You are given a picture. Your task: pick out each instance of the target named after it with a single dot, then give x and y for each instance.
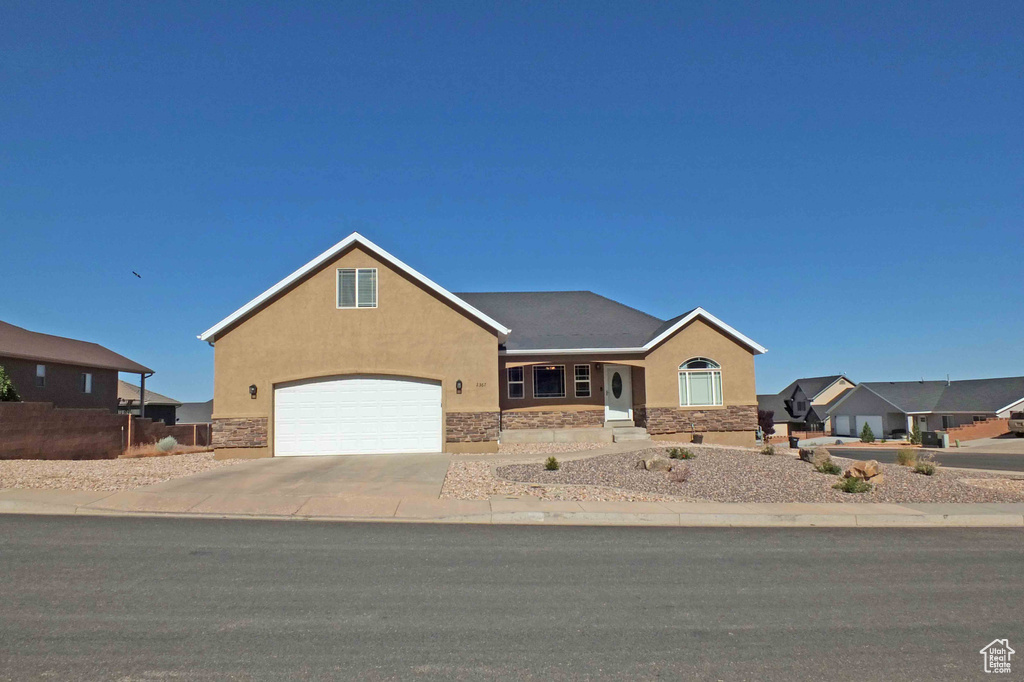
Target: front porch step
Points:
(625, 433)
(618, 423)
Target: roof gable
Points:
(329, 255)
(21, 343)
(127, 392)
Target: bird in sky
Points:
(136, 274)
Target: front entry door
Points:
(922, 423)
(618, 392)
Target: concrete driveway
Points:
(393, 476)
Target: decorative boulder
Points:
(658, 464)
(820, 456)
(679, 473)
(863, 470)
(806, 454)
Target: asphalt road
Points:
(949, 458)
(184, 599)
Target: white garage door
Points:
(874, 422)
(843, 426)
(357, 415)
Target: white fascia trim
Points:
(354, 238)
(1013, 404)
(697, 312)
(700, 312)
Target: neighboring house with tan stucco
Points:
(356, 352)
(803, 405)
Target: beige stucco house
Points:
(356, 352)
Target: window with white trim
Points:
(40, 375)
(86, 382)
(582, 376)
(549, 381)
(700, 383)
(516, 385)
(357, 287)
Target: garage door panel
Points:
(364, 414)
(874, 421)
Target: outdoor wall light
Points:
(252, 391)
(458, 386)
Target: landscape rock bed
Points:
(736, 475)
(104, 474)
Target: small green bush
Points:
(853, 485)
(906, 457)
(882, 440)
(552, 464)
(768, 450)
(926, 466)
(681, 453)
(166, 444)
(915, 435)
(866, 434)
(828, 467)
(7, 391)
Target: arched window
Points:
(700, 382)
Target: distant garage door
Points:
(357, 415)
(874, 422)
(843, 426)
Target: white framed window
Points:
(582, 374)
(516, 386)
(357, 287)
(40, 375)
(700, 383)
(86, 382)
(549, 381)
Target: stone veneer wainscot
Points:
(675, 420)
(471, 427)
(240, 432)
(551, 419)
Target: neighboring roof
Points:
(325, 257)
(582, 321)
(126, 392)
(773, 402)
(21, 343)
(195, 413)
(973, 395)
(811, 386)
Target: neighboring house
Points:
(196, 413)
(892, 408)
(356, 352)
(803, 405)
(62, 371)
(158, 407)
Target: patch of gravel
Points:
(547, 448)
(719, 475)
(104, 474)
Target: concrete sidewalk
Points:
(500, 510)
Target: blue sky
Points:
(844, 184)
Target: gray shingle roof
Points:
(772, 402)
(22, 343)
(811, 386)
(195, 413)
(973, 395)
(126, 392)
(567, 319)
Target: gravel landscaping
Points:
(547, 448)
(104, 474)
(717, 474)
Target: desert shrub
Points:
(681, 453)
(915, 435)
(882, 440)
(8, 393)
(852, 485)
(866, 434)
(679, 473)
(906, 457)
(768, 450)
(926, 466)
(551, 464)
(166, 444)
(827, 466)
